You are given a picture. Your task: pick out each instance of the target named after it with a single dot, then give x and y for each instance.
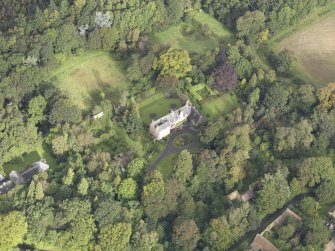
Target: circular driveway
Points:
(171, 148)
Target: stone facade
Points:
(163, 126)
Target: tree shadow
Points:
(104, 90)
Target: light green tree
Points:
(68, 178)
(274, 192)
(174, 62)
(13, 227)
(115, 237)
(83, 186)
(36, 108)
(135, 167)
(128, 189)
(39, 194)
(218, 235)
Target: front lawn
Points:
(214, 107)
(166, 165)
(157, 106)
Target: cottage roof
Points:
(41, 166)
(248, 195)
(260, 243)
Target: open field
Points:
(217, 106)
(314, 48)
(84, 77)
(157, 106)
(21, 163)
(189, 36)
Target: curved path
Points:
(171, 148)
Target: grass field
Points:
(157, 106)
(21, 163)
(82, 78)
(314, 48)
(166, 165)
(219, 105)
(194, 40)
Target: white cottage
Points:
(163, 126)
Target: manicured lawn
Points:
(20, 164)
(215, 107)
(189, 36)
(84, 77)
(157, 106)
(166, 165)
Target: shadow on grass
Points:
(23, 162)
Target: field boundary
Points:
(319, 14)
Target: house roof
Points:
(173, 117)
(41, 165)
(16, 177)
(260, 243)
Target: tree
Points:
(68, 178)
(13, 227)
(115, 237)
(309, 207)
(39, 194)
(68, 38)
(225, 77)
(284, 62)
(326, 97)
(143, 240)
(63, 111)
(175, 10)
(135, 167)
(77, 224)
(251, 25)
(174, 62)
(183, 169)
(36, 108)
(317, 233)
(109, 212)
(326, 191)
(128, 189)
(218, 235)
(277, 97)
(314, 170)
(153, 195)
(273, 194)
(168, 84)
(185, 234)
(83, 186)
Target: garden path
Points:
(171, 148)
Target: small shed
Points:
(261, 243)
(248, 195)
(234, 195)
(2, 178)
(98, 115)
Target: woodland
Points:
(264, 127)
